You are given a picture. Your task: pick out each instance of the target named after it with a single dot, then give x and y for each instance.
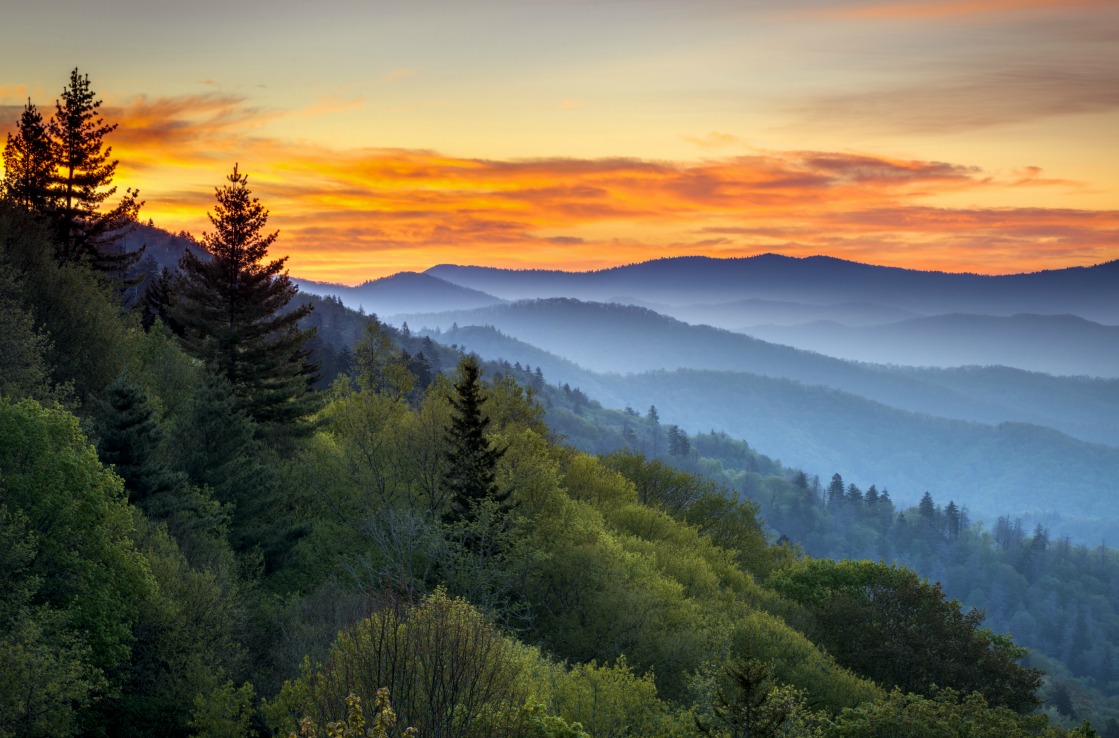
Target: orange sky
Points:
(960, 135)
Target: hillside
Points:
(403, 292)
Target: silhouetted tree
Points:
(28, 163)
(82, 182)
(232, 311)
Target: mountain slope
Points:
(404, 292)
(1008, 468)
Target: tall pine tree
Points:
(471, 475)
(28, 163)
(82, 182)
(232, 310)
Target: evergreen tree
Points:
(28, 163)
(157, 301)
(470, 478)
(82, 182)
(836, 494)
(131, 440)
(232, 311)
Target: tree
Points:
(28, 163)
(232, 310)
(451, 672)
(885, 623)
(82, 183)
(471, 458)
(836, 494)
(131, 439)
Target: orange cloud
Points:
(352, 215)
(947, 9)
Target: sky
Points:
(391, 135)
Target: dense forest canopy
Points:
(229, 510)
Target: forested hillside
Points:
(208, 531)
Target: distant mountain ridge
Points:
(403, 292)
(1054, 344)
(1086, 291)
(611, 338)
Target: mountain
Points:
(994, 468)
(404, 292)
(161, 248)
(1085, 291)
(612, 338)
(1055, 344)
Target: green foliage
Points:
(610, 701)
(131, 440)
(451, 672)
(46, 676)
(887, 624)
(89, 340)
(226, 712)
(381, 367)
(944, 714)
(80, 523)
(751, 705)
(23, 349)
(185, 641)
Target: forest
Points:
(228, 509)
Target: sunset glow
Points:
(914, 134)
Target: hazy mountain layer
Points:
(734, 315)
(615, 338)
(1055, 344)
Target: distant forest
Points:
(228, 509)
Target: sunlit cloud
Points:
(355, 214)
(945, 9)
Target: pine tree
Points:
(232, 312)
(470, 478)
(157, 301)
(28, 163)
(131, 439)
(82, 183)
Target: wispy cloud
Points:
(944, 9)
(974, 99)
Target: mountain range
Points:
(820, 280)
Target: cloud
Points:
(974, 99)
(398, 75)
(714, 140)
(943, 9)
(355, 214)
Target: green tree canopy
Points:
(886, 623)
